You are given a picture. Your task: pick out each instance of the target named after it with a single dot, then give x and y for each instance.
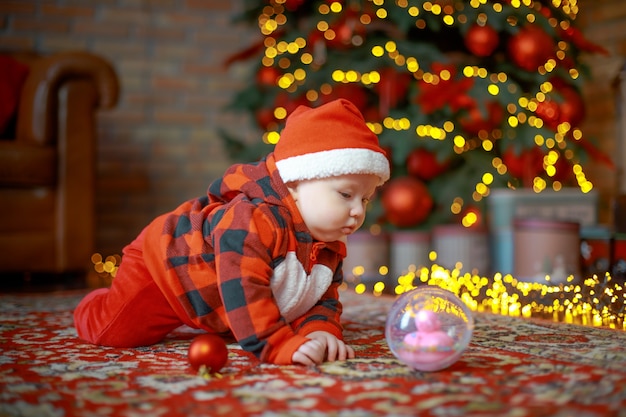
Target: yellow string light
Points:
(503, 294)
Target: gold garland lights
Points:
(593, 301)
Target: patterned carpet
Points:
(513, 367)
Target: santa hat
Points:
(327, 141)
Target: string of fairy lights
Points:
(593, 301)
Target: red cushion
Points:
(12, 76)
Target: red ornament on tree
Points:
(351, 91)
(208, 350)
(530, 48)
(571, 105)
(447, 92)
(548, 111)
(563, 169)
(348, 30)
(267, 76)
(293, 5)
(572, 109)
(524, 166)
(372, 113)
(391, 88)
(475, 120)
(471, 216)
(389, 155)
(406, 201)
(481, 40)
(265, 118)
(289, 102)
(423, 164)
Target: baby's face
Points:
(334, 207)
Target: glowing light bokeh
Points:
(593, 301)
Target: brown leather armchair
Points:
(47, 170)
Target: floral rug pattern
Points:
(513, 367)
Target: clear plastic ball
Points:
(428, 328)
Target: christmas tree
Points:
(465, 95)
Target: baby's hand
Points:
(310, 353)
(335, 349)
(322, 345)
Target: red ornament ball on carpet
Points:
(481, 40)
(208, 350)
(407, 201)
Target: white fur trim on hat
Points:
(334, 162)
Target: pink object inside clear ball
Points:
(428, 328)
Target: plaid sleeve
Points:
(248, 241)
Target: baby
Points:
(259, 257)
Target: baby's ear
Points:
(293, 189)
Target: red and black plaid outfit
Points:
(239, 261)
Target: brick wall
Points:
(160, 146)
(603, 22)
